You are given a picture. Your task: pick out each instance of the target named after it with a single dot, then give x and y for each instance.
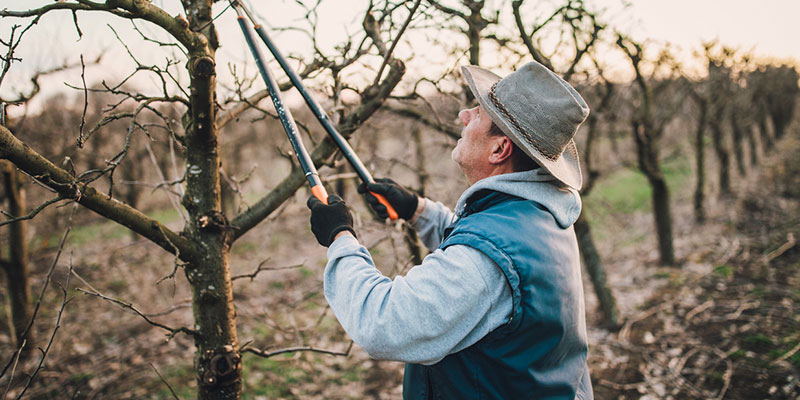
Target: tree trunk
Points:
(130, 172)
(648, 163)
(738, 146)
(722, 157)
(780, 124)
(766, 138)
(699, 147)
(17, 265)
(751, 139)
(597, 273)
(217, 357)
(663, 219)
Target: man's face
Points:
(473, 149)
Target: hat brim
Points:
(566, 168)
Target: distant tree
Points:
(15, 266)
(700, 96)
(591, 256)
(659, 100)
(777, 90)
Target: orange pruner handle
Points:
(392, 213)
(320, 193)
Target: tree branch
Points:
(66, 186)
(268, 354)
(535, 53)
(129, 306)
(46, 283)
(261, 267)
(447, 129)
(131, 9)
(372, 99)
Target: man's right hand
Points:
(402, 200)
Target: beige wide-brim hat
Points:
(538, 111)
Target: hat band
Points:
(525, 135)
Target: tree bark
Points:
(766, 139)
(738, 139)
(751, 139)
(717, 134)
(217, 358)
(663, 219)
(16, 267)
(597, 273)
(649, 165)
(699, 147)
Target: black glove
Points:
(328, 220)
(402, 200)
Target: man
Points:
(496, 310)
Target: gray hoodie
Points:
(451, 300)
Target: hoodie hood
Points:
(537, 185)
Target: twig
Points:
(45, 284)
(728, 372)
(172, 331)
(64, 302)
(85, 103)
(170, 195)
(625, 331)
(262, 268)
(33, 212)
(747, 305)
(171, 310)
(790, 242)
(14, 368)
(267, 354)
(697, 310)
(175, 396)
(621, 386)
(788, 354)
(394, 43)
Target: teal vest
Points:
(540, 352)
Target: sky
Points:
(768, 28)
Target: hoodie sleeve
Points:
(431, 223)
(446, 304)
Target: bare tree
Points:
(16, 266)
(577, 27)
(648, 124)
(201, 249)
(777, 90)
(589, 253)
(700, 98)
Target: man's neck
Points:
(492, 170)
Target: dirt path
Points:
(725, 325)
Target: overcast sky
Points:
(769, 28)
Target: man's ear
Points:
(502, 147)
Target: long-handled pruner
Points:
(284, 113)
(286, 117)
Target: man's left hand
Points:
(328, 220)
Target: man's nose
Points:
(463, 115)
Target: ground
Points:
(724, 325)
(721, 325)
